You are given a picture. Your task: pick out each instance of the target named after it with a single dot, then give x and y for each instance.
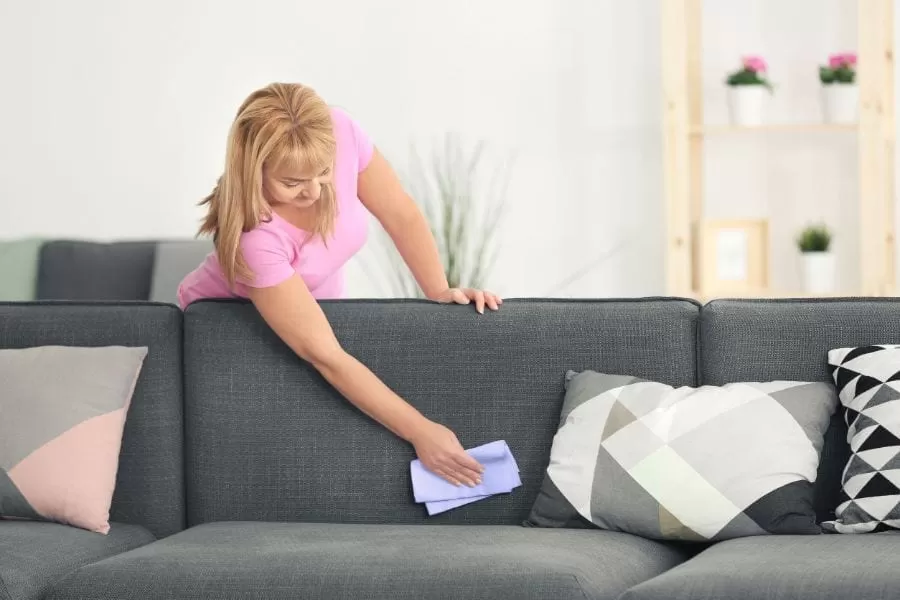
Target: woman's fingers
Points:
(478, 296)
(465, 468)
(468, 474)
(459, 470)
(492, 300)
(446, 476)
(460, 297)
(465, 460)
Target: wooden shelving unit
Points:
(685, 133)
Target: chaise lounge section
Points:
(149, 496)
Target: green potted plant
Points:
(748, 91)
(814, 242)
(840, 93)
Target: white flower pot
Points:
(747, 104)
(818, 272)
(840, 103)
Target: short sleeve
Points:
(365, 148)
(267, 257)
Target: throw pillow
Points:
(868, 383)
(64, 414)
(172, 263)
(689, 464)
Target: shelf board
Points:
(773, 128)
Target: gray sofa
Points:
(89, 270)
(244, 475)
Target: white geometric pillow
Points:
(694, 464)
(868, 383)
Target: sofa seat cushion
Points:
(823, 567)
(345, 561)
(36, 554)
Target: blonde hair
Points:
(280, 125)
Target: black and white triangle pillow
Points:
(868, 384)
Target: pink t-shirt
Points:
(273, 250)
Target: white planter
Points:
(840, 103)
(747, 104)
(818, 272)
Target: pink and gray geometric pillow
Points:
(63, 415)
(868, 383)
(680, 463)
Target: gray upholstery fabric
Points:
(173, 261)
(269, 439)
(743, 340)
(150, 481)
(84, 270)
(375, 562)
(824, 567)
(35, 555)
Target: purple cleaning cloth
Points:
(501, 476)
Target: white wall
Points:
(114, 114)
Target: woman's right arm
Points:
(296, 317)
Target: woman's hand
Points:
(442, 454)
(467, 295)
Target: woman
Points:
(286, 215)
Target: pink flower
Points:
(836, 61)
(755, 63)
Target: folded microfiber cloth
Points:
(501, 476)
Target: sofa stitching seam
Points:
(580, 586)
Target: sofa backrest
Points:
(150, 480)
(268, 439)
(87, 270)
(84, 270)
(759, 340)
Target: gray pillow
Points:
(172, 263)
(64, 411)
(690, 464)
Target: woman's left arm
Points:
(380, 190)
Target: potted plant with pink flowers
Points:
(840, 93)
(749, 89)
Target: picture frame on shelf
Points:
(732, 256)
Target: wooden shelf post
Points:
(876, 146)
(682, 112)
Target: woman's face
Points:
(300, 189)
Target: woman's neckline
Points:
(289, 225)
